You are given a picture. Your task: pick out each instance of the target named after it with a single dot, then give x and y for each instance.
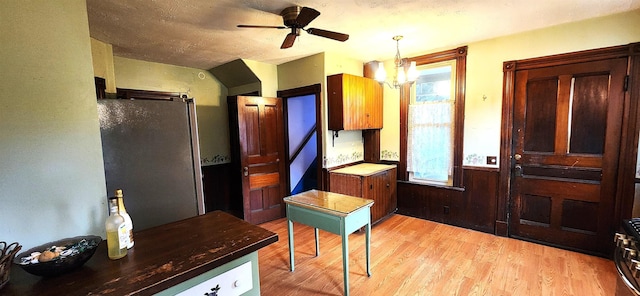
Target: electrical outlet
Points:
(492, 160)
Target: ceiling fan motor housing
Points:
(289, 16)
(296, 18)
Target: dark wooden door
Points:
(566, 136)
(261, 156)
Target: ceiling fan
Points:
(296, 18)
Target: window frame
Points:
(460, 56)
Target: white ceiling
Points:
(203, 34)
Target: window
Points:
(432, 114)
(431, 125)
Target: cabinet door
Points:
(373, 104)
(381, 188)
(354, 103)
(335, 107)
(391, 191)
(376, 189)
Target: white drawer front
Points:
(231, 283)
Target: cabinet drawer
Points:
(232, 283)
(238, 277)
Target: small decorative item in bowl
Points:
(58, 257)
(7, 251)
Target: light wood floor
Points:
(412, 256)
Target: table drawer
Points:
(314, 219)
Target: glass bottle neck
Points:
(113, 207)
(121, 205)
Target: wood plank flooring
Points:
(411, 256)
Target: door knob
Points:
(517, 156)
(246, 171)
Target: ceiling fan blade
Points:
(306, 16)
(328, 34)
(257, 26)
(288, 41)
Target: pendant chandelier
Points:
(405, 72)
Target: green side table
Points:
(336, 213)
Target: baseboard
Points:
(502, 228)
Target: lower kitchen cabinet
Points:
(371, 181)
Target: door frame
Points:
(315, 89)
(630, 127)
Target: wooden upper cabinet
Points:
(354, 102)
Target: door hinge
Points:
(626, 83)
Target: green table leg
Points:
(368, 238)
(317, 243)
(345, 261)
(290, 229)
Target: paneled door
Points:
(261, 157)
(567, 124)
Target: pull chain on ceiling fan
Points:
(297, 18)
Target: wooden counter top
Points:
(364, 169)
(162, 257)
(328, 202)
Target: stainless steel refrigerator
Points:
(150, 150)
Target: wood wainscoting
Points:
(217, 190)
(473, 206)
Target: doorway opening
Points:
(303, 138)
(302, 142)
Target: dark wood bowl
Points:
(61, 264)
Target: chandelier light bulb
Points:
(401, 77)
(381, 74)
(412, 73)
(402, 74)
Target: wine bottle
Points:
(116, 231)
(127, 219)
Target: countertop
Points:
(329, 202)
(162, 257)
(364, 169)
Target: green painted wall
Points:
(268, 75)
(102, 56)
(51, 171)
